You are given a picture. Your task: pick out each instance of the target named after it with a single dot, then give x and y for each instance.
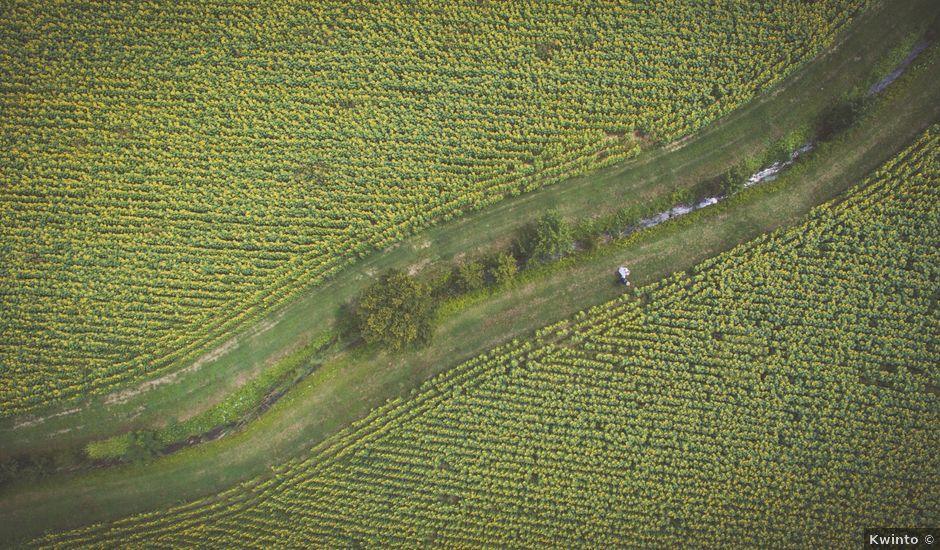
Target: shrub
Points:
(504, 268)
(111, 448)
(546, 239)
(470, 276)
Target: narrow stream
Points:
(768, 173)
(765, 174)
(886, 81)
(771, 171)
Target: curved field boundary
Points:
(354, 383)
(748, 131)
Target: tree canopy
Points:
(503, 268)
(395, 311)
(545, 239)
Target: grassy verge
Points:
(748, 133)
(353, 382)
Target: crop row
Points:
(783, 393)
(172, 173)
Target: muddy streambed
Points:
(768, 173)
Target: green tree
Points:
(395, 311)
(546, 239)
(470, 276)
(503, 269)
(736, 176)
(144, 445)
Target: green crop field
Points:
(780, 394)
(342, 274)
(172, 171)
